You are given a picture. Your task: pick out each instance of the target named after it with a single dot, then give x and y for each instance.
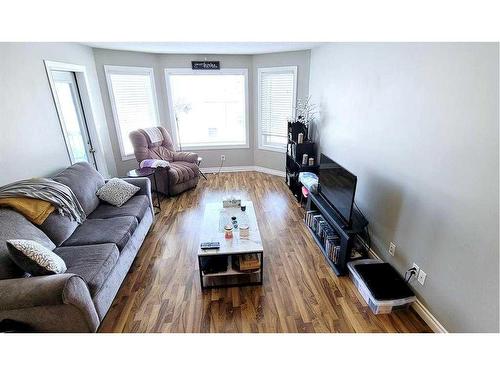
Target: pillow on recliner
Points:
(34, 258)
(117, 192)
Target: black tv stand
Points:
(348, 235)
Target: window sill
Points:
(127, 157)
(212, 147)
(273, 149)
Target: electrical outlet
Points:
(421, 277)
(417, 268)
(223, 157)
(392, 248)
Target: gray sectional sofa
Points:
(98, 254)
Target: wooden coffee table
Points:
(212, 230)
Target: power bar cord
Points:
(408, 274)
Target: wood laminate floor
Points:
(161, 293)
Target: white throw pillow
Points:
(34, 258)
(117, 191)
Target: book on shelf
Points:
(320, 226)
(315, 219)
(308, 216)
(326, 235)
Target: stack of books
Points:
(326, 235)
(332, 251)
(316, 219)
(308, 217)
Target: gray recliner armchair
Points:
(155, 143)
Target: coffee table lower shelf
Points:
(231, 277)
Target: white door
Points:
(72, 118)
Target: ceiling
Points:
(236, 48)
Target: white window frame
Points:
(189, 71)
(82, 80)
(110, 69)
(274, 69)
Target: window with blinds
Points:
(133, 101)
(276, 105)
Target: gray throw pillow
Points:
(34, 258)
(117, 192)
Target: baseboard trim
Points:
(419, 308)
(269, 171)
(427, 317)
(227, 169)
(247, 168)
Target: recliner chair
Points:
(155, 143)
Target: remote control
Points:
(210, 245)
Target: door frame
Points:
(87, 143)
(82, 82)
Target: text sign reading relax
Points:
(205, 65)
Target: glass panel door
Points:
(72, 119)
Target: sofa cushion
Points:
(34, 258)
(136, 206)
(117, 192)
(181, 171)
(58, 227)
(117, 230)
(13, 225)
(84, 181)
(93, 263)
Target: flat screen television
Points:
(337, 185)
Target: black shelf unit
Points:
(348, 237)
(294, 154)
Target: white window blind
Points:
(277, 96)
(133, 101)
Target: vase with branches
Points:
(305, 112)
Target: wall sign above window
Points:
(205, 65)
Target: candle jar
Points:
(244, 231)
(305, 157)
(228, 232)
(300, 138)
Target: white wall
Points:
(31, 140)
(211, 158)
(271, 159)
(159, 62)
(418, 125)
(27, 110)
(110, 57)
